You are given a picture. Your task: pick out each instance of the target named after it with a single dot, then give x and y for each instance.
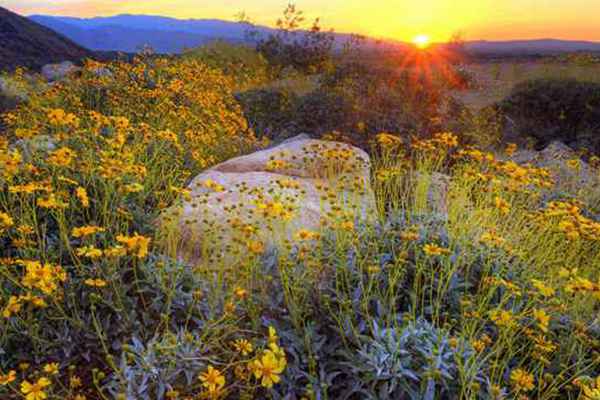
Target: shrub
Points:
(415, 361)
(557, 109)
(309, 50)
(243, 64)
(99, 158)
(270, 112)
(353, 99)
(322, 111)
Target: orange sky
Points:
(399, 19)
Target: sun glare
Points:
(421, 41)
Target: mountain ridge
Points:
(128, 32)
(26, 43)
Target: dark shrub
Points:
(385, 99)
(353, 99)
(270, 112)
(557, 109)
(323, 111)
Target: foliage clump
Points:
(567, 110)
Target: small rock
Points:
(562, 161)
(57, 72)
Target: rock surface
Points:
(57, 72)
(262, 199)
(437, 193)
(563, 162)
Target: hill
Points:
(129, 33)
(24, 42)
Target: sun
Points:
(421, 41)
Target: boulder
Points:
(564, 163)
(247, 204)
(57, 72)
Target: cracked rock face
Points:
(264, 199)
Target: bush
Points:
(105, 155)
(322, 111)
(557, 109)
(309, 50)
(239, 62)
(270, 112)
(353, 99)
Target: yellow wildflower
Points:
(75, 382)
(268, 369)
(95, 283)
(51, 202)
(255, 247)
(434, 250)
(591, 390)
(240, 292)
(89, 252)
(521, 380)
(51, 368)
(212, 379)
(544, 290)
(510, 150)
(136, 244)
(243, 346)
(304, 234)
(6, 221)
(502, 318)
(10, 377)
(44, 277)
(82, 195)
(273, 338)
(86, 231)
(61, 157)
(502, 205)
(543, 319)
(35, 391)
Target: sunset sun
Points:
(421, 41)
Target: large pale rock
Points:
(266, 198)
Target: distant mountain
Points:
(129, 33)
(28, 44)
(531, 47)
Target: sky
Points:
(395, 19)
